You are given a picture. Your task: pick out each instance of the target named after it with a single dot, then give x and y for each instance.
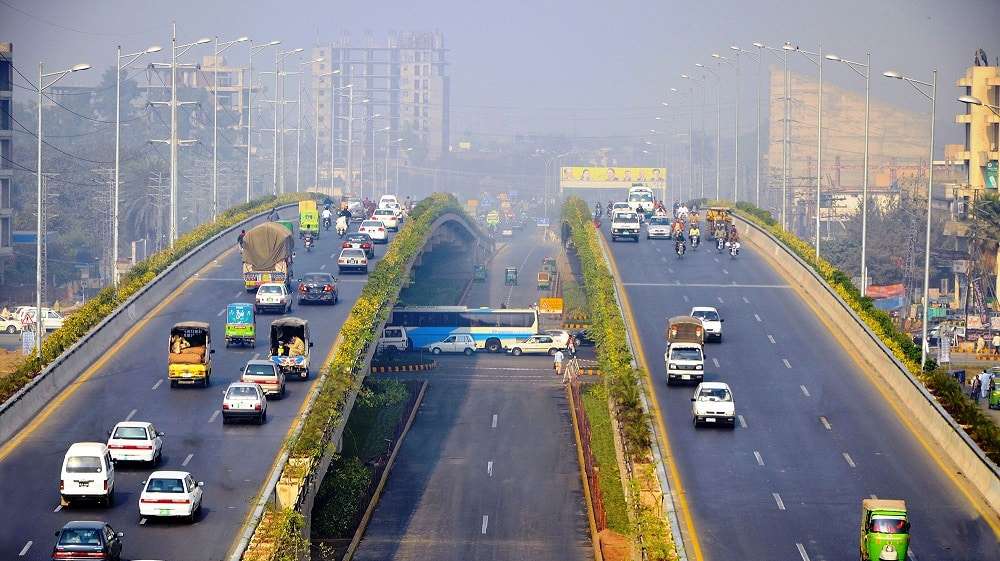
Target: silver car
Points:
(244, 401)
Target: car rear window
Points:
(80, 536)
(241, 392)
(130, 433)
(84, 464)
(165, 485)
(371, 224)
(354, 253)
(320, 279)
(270, 289)
(714, 394)
(260, 370)
(385, 212)
(658, 221)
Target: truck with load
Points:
(267, 255)
(189, 359)
(685, 354)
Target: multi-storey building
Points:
(6, 151)
(981, 128)
(405, 83)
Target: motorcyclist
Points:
(597, 210)
(611, 205)
(679, 246)
(719, 232)
(695, 234)
(307, 240)
(341, 225)
(327, 218)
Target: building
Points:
(6, 151)
(981, 154)
(406, 83)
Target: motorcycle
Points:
(680, 248)
(719, 244)
(308, 242)
(695, 242)
(341, 228)
(734, 249)
(326, 224)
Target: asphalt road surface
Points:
(232, 460)
(815, 437)
(489, 468)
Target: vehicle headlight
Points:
(698, 367)
(672, 367)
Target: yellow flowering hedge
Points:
(106, 301)
(980, 427)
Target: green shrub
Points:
(341, 498)
(595, 402)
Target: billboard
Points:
(583, 177)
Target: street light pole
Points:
(760, 71)
(39, 223)
(930, 185)
(718, 127)
(253, 49)
(118, 126)
(215, 119)
(333, 105)
(818, 61)
(736, 152)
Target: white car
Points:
(620, 207)
(10, 325)
(560, 336)
(713, 403)
(375, 229)
(244, 401)
(87, 473)
(388, 217)
(454, 344)
(710, 319)
(388, 200)
(173, 494)
(135, 441)
(658, 227)
(51, 319)
(265, 374)
(352, 260)
(536, 344)
(273, 296)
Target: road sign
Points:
(550, 305)
(27, 342)
(944, 349)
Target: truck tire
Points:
(493, 345)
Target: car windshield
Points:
(659, 221)
(621, 205)
(708, 315)
(385, 212)
(270, 289)
(164, 485)
(130, 433)
(80, 536)
(685, 354)
(881, 525)
(714, 394)
(626, 217)
(83, 464)
(317, 279)
(241, 392)
(260, 370)
(641, 197)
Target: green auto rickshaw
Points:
(290, 224)
(308, 218)
(241, 325)
(885, 530)
(994, 391)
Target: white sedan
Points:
(273, 296)
(713, 403)
(710, 319)
(536, 344)
(388, 217)
(561, 336)
(171, 494)
(135, 441)
(376, 230)
(352, 260)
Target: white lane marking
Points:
(157, 384)
(142, 522)
(849, 459)
(664, 259)
(57, 509)
(778, 501)
(743, 422)
(825, 423)
(706, 284)
(770, 338)
(670, 270)
(760, 459)
(716, 259)
(756, 317)
(333, 256)
(686, 299)
(910, 554)
(486, 521)
(186, 460)
(805, 391)
(725, 272)
(745, 301)
(214, 416)
(802, 552)
(222, 311)
(721, 301)
(489, 468)
(494, 425)
(715, 361)
(787, 364)
(131, 414)
(322, 267)
(24, 550)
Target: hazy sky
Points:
(593, 68)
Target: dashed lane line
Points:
(24, 550)
(757, 317)
(721, 301)
(760, 459)
(214, 416)
(57, 509)
(826, 423)
(725, 271)
(486, 522)
(494, 424)
(686, 299)
(802, 552)
(805, 390)
(715, 361)
(743, 422)
(158, 383)
(489, 468)
(745, 301)
(131, 414)
(787, 364)
(849, 460)
(187, 460)
(778, 501)
(222, 311)
(770, 338)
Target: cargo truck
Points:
(685, 354)
(267, 255)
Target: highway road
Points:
(489, 468)
(814, 437)
(232, 460)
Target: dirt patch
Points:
(614, 546)
(9, 361)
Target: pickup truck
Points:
(684, 357)
(625, 225)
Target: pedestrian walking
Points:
(996, 344)
(984, 384)
(240, 238)
(557, 360)
(976, 389)
(571, 347)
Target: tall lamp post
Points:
(279, 183)
(374, 156)
(316, 131)
(690, 140)
(132, 57)
(818, 61)
(39, 230)
(333, 127)
(760, 69)
(718, 127)
(253, 49)
(866, 66)
(701, 164)
(389, 141)
(785, 130)
(932, 97)
(219, 49)
(735, 63)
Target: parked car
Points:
(352, 260)
(454, 344)
(536, 344)
(51, 319)
(87, 540)
(388, 217)
(583, 339)
(243, 401)
(361, 241)
(10, 325)
(712, 403)
(560, 336)
(135, 441)
(273, 296)
(265, 374)
(318, 287)
(376, 229)
(171, 494)
(393, 339)
(88, 473)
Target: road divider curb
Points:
(404, 368)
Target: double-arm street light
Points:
(759, 57)
(784, 129)
(279, 123)
(701, 156)
(735, 63)
(718, 127)
(253, 49)
(40, 211)
(119, 67)
(865, 72)
(219, 49)
(333, 128)
(690, 139)
(932, 97)
(374, 157)
(316, 130)
(972, 100)
(818, 61)
(389, 141)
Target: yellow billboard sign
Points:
(550, 305)
(610, 177)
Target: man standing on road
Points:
(996, 343)
(557, 363)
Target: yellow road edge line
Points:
(665, 445)
(595, 540)
(76, 384)
(946, 467)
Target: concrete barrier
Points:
(24, 405)
(920, 407)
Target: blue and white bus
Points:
(491, 328)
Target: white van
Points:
(388, 200)
(393, 339)
(87, 473)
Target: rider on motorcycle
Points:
(341, 225)
(327, 217)
(597, 210)
(307, 240)
(695, 234)
(679, 245)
